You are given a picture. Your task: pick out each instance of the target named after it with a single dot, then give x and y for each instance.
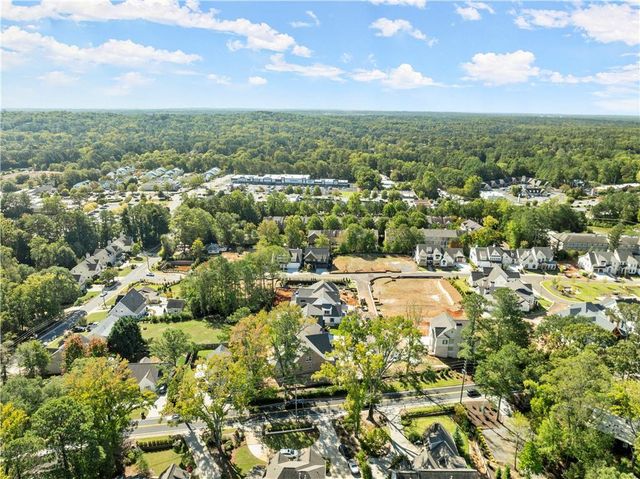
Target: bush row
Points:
(426, 411)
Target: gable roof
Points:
(133, 300)
(174, 472)
(317, 255)
(174, 303)
(309, 465)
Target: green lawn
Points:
(589, 290)
(244, 460)
(545, 303)
(420, 424)
(397, 385)
(87, 296)
(125, 271)
(462, 285)
(97, 316)
(201, 332)
(160, 460)
(289, 440)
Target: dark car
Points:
(345, 451)
(473, 393)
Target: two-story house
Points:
(426, 255)
(488, 257)
(322, 302)
(618, 262)
(445, 336)
(538, 257)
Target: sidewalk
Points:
(205, 465)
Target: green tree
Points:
(198, 251)
(269, 233)
(125, 339)
(33, 357)
(171, 346)
(65, 425)
(20, 457)
(108, 275)
(217, 385)
(73, 349)
(168, 247)
(294, 232)
(250, 345)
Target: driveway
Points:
(327, 444)
(206, 467)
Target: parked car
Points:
(473, 393)
(353, 467)
(150, 274)
(345, 451)
(290, 453)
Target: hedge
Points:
(160, 444)
(427, 411)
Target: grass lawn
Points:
(97, 316)
(201, 332)
(545, 303)
(87, 296)
(291, 440)
(441, 382)
(125, 271)
(589, 290)
(244, 460)
(420, 424)
(462, 285)
(158, 461)
(203, 353)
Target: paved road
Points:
(430, 397)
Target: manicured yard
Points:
(158, 461)
(545, 303)
(420, 425)
(462, 285)
(244, 460)
(125, 271)
(97, 316)
(291, 440)
(87, 296)
(589, 290)
(201, 332)
(441, 382)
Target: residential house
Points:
(308, 464)
(578, 241)
(438, 459)
(597, 313)
(445, 336)
(131, 304)
(631, 243)
(93, 265)
(316, 344)
(211, 173)
(175, 305)
(146, 373)
(426, 255)
(469, 226)
(488, 257)
(439, 237)
(485, 283)
(174, 472)
(293, 261)
(318, 259)
(322, 302)
(618, 262)
(220, 350)
(56, 358)
(535, 258)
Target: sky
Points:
(396, 55)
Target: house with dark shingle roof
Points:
(309, 464)
(175, 305)
(146, 373)
(426, 255)
(316, 344)
(318, 259)
(439, 237)
(322, 302)
(174, 472)
(445, 336)
(485, 283)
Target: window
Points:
(308, 359)
(444, 341)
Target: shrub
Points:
(365, 468)
(374, 441)
(427, 411)
(413, 436)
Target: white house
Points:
(485, 283)
(490, 256)
(321, 301)
(132, 304)
(445, 336)
(426, 255)
(618, 262)
(535, 258)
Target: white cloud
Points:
(25, 44)
(501, 68)
(301, 51)
(257, 81)
(257, 36)
(346, 57)
(390, 28)
(408, 3)
(58, 78)
(404, 77)
(316, 70)
(315, 21)
(219, 79)
(127, 82)
(604, 22)
(471, 10)
(621, 75)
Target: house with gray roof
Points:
(146, 373)
(174, 472)
(317, 259)
(536, 258)
(485, 283)
(618, 262)
(332, 235)
(316, 345)
(438, 459)
(445, 336)
(578, 241)
(490, 256)
(426, 255)
(597, 313)
(309, 464)
(322, 302)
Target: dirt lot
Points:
(420, 296)
(374, 264)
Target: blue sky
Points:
(514, 57)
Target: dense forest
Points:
(407, 147)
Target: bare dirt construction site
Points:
(423, 297)
(374, 264)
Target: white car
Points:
(290, 453)
(353, 467)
